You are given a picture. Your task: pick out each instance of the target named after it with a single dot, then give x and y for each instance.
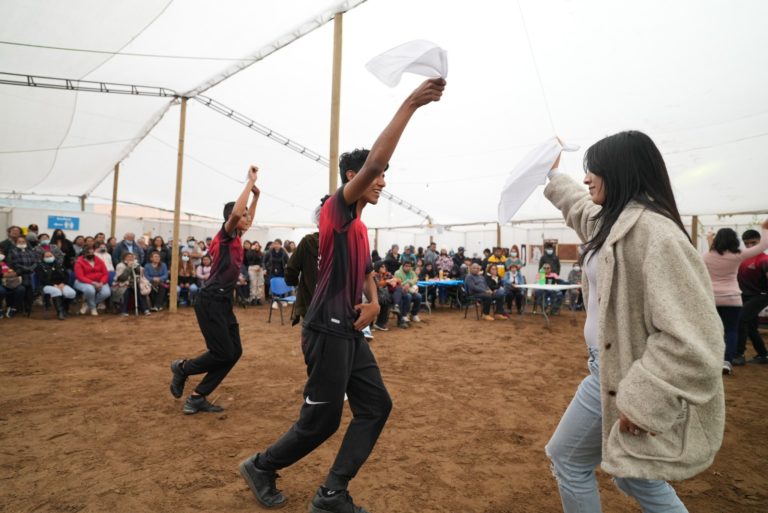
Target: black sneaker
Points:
(178, 379)
(262, 484)
(198, 403)
(759, 359)
(739, 360)
(339, 502)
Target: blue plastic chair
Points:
(279, 291)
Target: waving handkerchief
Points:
(419, 56)
(527, 175)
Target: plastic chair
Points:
(465, 300)
(278, 291)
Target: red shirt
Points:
(752, 275)
(345, 261)
(226, 253)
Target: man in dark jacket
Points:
(276, 259)
(301, 272)
(550, 258)
(392, 259)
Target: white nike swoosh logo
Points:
(309, 402)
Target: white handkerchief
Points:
(527, 175)
(419, 56)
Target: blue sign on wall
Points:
(63, 223)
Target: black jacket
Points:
(51, 274)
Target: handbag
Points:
(144, 286)
(11, 282)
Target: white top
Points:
(591, 326)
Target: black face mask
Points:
(89, 256)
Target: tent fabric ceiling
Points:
(691, 74)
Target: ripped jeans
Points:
(576, 450)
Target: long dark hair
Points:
(726, 240)
(632, 168)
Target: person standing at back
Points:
(753, 282)
(214, 305)
(339, 360)
(723, 260)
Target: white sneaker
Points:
(367, 332)
(407, 318)
(84, 308)
(101, 306)
(95, 312)
(416, 318)
(274, 305)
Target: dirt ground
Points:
(87, 423)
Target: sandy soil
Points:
(87, 423)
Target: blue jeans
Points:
(92, 297)
(730, 317)
(407, 301)
(576, 450)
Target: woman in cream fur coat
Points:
(652, 407)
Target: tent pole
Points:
(333, 165)
(498, 235)
(177, 209)
(82, 203)
(113, 222)
(376, 239)
(695, 231)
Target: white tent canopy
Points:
(691, 74)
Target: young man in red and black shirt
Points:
(337, 355)
(214, 306)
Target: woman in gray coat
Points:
(652, 407)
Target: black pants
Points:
(753, 305)
(335, 366)
(222, 338)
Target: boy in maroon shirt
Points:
(214, 306)
(337, 355)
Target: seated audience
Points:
(407, 294)
(203, 271)
(392, 259)
(53, 279)
(23, 260)
(384, 281)
(254, 260)
(575, 296)
(159, 246)
(11, 289)
(45, 244)
(494, 283)
(65, 245)
(514, 277)
(130, 245)
(157, 273)
(477, 287)
(91, 279)
(549, 299)
(187, 287)
(242, 288)
(128, 285)
(14, 233)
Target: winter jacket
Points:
(661, 341)
(87, 272)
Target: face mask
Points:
(190, 243)
(102, 250)
(89, 256)
(185, 258)
(2, 257)
(21, 246)
(45, 242)
(549, 251)
(576, 268)
(49, 260)
(513, 254)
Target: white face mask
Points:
(513, 254)
(21, 246)
(185, 258)
(45, 242)
(49, 260)
(2, 257)
(549, 251)
(576, 268)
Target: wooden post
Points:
(431, 228)
(333, 166)
(695, 231)
(177, 208)
(82, 203)
(113, 222)
(498, 235)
